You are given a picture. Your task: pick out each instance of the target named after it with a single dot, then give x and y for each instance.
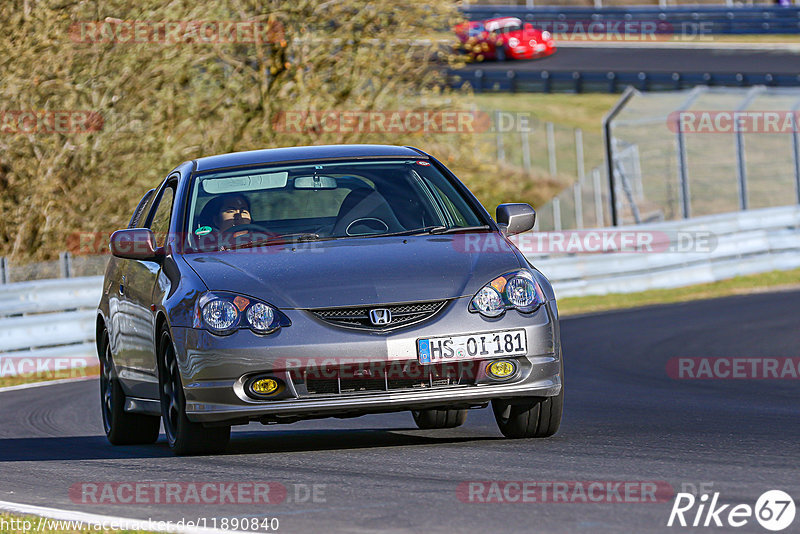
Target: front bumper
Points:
(214, 368)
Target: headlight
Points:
(546, 35)
(222, 313)
(489, 302)
(261, 317)
(515, 290)
(520, 292)
(513, 42)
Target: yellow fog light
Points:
(502, 368)
(265, 387)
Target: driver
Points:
(233, 210)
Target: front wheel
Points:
(537, 417)
(184, 436)
(121, 427)
(430, 419)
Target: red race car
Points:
(503, 38)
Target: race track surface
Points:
(625, 420)
(653, 59)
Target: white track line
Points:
(94, 519)
(708, 45)
(46, 383)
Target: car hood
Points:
(360, 271)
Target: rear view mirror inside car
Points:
(315, 182)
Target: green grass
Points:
(6, 381)
(28, 523)
(583, 111)
(740, 285)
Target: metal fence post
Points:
(683, 175)
(551, 147)
(578, 205)
(526, 149)
(579, 154)
(598, 198)
(3, 270)
(741, 164)
(501, 153)
(796, 150)
(607, 141)
(556, 214)
(741, 169)
(65, 262)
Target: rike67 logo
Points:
(774, 510)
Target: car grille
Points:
(401, 315)
(348, 380)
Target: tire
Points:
(430, 419)
(500, 53)
(121, 427)
(537, 417)
(184, 436)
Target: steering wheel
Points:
(373, 225)
(249, 227)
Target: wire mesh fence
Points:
(67, 266)
(690, 153)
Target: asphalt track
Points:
(625, 419)
(597, 58)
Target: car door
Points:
(119, 318)
(140, 374)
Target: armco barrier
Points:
(747, 242)
(56, 318)
(48, 320)
(677, 19)
(585, 81)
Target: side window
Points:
(160, 223)
(142, 209)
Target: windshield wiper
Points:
(453, 229)
(288, 238)
(440, 229)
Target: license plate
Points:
(472, 346)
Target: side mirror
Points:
(515, 218)
(135, 244)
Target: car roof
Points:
(502, 21)
(303, 153)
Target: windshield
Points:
(325, 200)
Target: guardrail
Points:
(49, 319)
(670, 20)
(555, 81)
(48, 325)
(747, 242)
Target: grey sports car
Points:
(324, 281)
